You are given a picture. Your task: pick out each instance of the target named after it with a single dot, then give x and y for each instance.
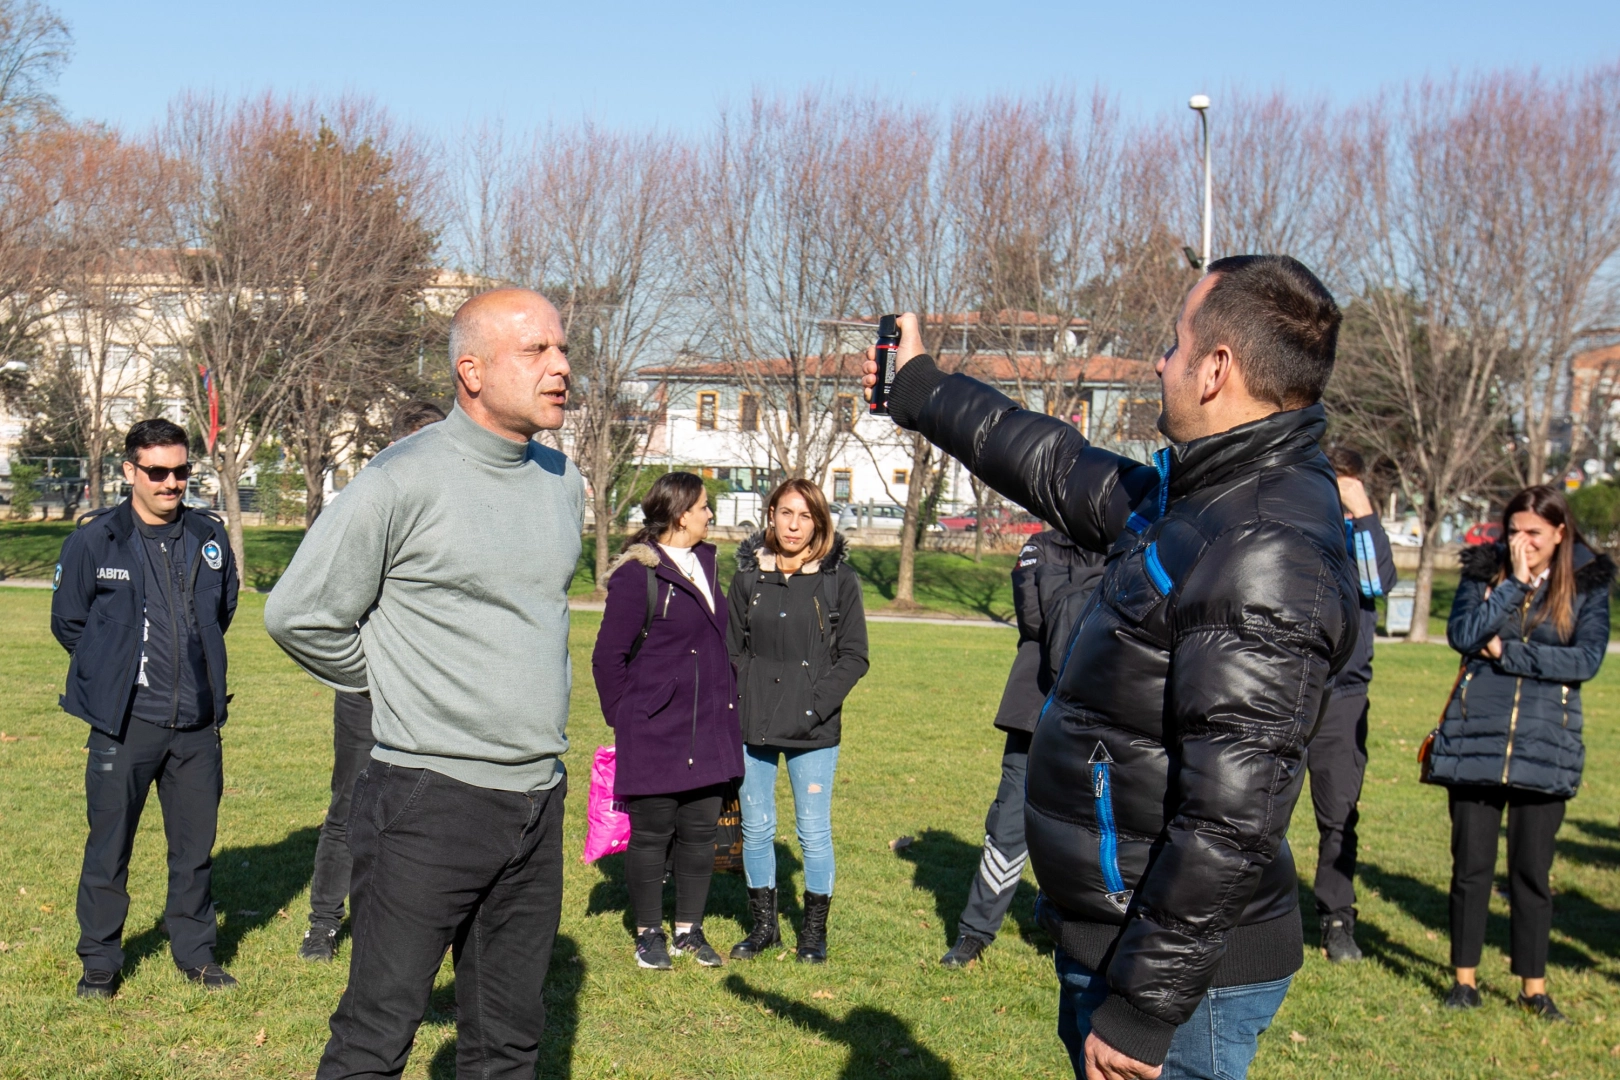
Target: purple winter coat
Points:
(673, 709)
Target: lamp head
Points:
(1200, 102)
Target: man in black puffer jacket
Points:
(1167, 762)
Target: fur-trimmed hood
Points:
(645, 554)
(752, 554)
(1593, 570)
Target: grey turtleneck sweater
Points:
(438, 581)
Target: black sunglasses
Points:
(159, 473)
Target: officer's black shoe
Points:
(1338, 937)
(1462, 997)
(319, 944)
(694, 944)
(964, 952)
(767, 931)
(1543, 1006)
(98, 984)
(210, 977)
(813, 932)
(651, 951)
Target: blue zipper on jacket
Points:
(1138, 524)
(1107, 832)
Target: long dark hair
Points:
(669, 498)
(1548, 504)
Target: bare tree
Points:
(596, 220)
(34, 46)
(782, 252)
(282, 260)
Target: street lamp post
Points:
(1199, 103)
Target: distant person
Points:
(351, 749)
(1531, 620)
(1337, 756)
(668, 692)
(797, 634)
(1052, 580)
(438, 585)
(144, 593)
(1165, 769)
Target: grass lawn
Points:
(916, 762)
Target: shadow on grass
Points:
(944, 865)
(251, 885)
(728, 894)
(880, 1043)
(1575, 915)
(1604, 855)
(563, 981)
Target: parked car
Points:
(1486, 532)
(740, 509)
(875, 516)
(1015, 523)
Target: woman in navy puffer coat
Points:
(1531, 620)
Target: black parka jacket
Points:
(794, 666)
(1516, 721)
(1165, 767)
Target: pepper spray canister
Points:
(888, 347)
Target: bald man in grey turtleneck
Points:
(438, 584)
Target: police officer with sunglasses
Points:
(143, 595)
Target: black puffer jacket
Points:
(794, 665)
(1517, 721)
(1165, 768)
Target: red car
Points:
(1019, 523)
(1486, 532)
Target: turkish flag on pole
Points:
(213, 405)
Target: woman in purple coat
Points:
(670, 695)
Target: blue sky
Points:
(443, 65)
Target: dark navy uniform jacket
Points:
(99, 603)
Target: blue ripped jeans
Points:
(1216, 1043)
(810, 772)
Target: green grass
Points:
(916, 762)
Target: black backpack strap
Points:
(829, 592)
(652, 605)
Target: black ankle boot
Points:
(813, 935)
(766, 934)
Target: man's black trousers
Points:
(351, 750)
(439, 864)
(1476, 819)
(1001, 862)
(688, 821)
(187, 766)
(1337, 760)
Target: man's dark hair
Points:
(154, 432)
(1346, 462)
(1280, 322)
(413, 417)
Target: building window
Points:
(708, 407)
(844, 412)
(1139, 420)
(902, 476)
(748, 413)
(1081, 417)
(841, 485)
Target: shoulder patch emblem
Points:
(56, 578)
(212, 555)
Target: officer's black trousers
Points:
(190, 778)
(1337, 760)
(439, 864)
(1001, 862)
(351, 749)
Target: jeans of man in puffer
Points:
(810, 772)
(1216, 1043)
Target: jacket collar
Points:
(1283, 438)
(752, 554)
(653, 555)
(120, 522)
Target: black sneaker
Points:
(694, 943)
(97, 984)
(650, 950)
(319, 944)
(1543, 1006)
(210, 977)
(1338, 937)
(1462, 997)
(964, 952)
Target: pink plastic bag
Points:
(607, 826)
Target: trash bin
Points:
(1398, 608)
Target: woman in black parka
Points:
(1531, 620)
